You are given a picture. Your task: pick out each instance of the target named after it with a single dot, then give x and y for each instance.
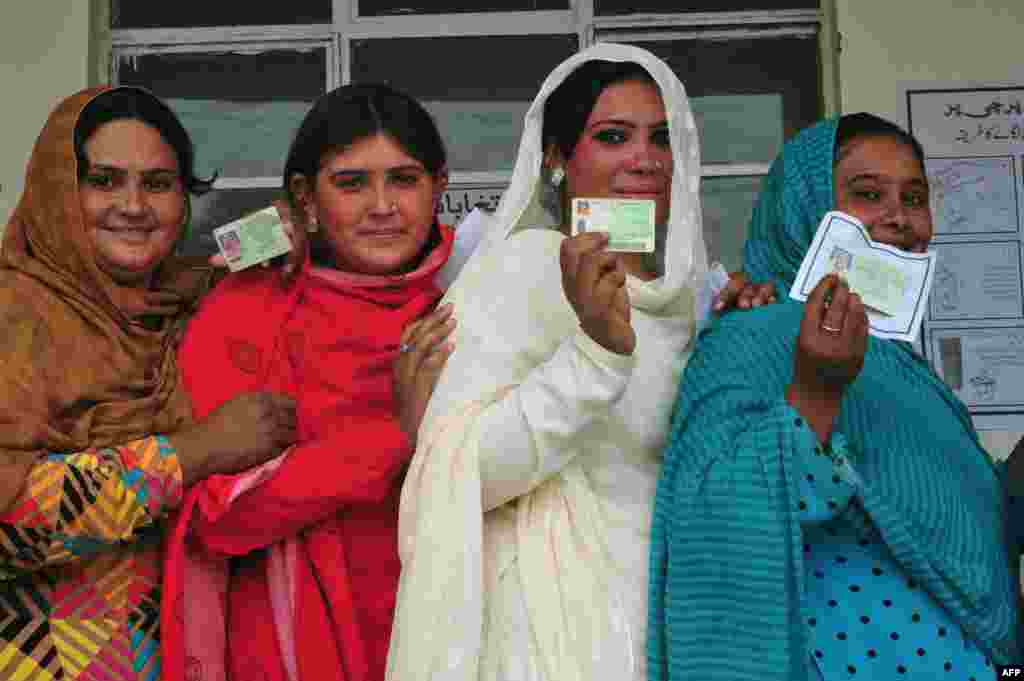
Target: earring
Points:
(557, 176)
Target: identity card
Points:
(629, 222)
(253, 239)
(893, 284)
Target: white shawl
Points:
(450, 561)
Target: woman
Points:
(825, 510)
(312, 593)
(524, 518)
(97, 436)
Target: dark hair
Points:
(569, 106)
(351, 113)
(853, 126)
(138, 104)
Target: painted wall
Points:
(44, 56)
(887, 43)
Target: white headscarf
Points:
(685, 258)
(440, 628)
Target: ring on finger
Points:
(404, 348)
(831, 329)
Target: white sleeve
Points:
(527, 436)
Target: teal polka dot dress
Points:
(866, 618)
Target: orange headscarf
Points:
(78, 369)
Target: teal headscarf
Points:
(794, 198)
(726, 589)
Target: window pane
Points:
(604, 7)
(762, 92)
(240, 109)
(727, 203)
(478, 110)
(191, 13)
(377, 8)
(220, 207)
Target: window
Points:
(240, 106)
(193, 13)
(377, 8)
(754, 80)
(607, 7)
(480, 116)
(756, 71)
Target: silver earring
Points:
(557, 176)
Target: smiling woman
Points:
(132, 200)
(98, 436)
(525, 511)
(825, 501)
(374, 204)
(317, 529)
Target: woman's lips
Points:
(641, 193)
(383, 233)
(130, 234)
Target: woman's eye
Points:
(99, 181)
(915, 200)
(661, 138)
(868, 194)
(159, 184)
(350, 182)
(405, 179)
(611, 136)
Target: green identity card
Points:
(880, 284)
(253, 239)
(629, 222)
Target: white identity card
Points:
(893, 284)
(629, 222)
(256, 238)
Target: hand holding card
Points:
(893, 284)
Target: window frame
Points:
(579, 20)
(133, 42)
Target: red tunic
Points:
(329, 342)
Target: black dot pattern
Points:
(866, 618)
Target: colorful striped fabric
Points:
(80, 565)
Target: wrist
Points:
(606, 343)
(191, 458)
(818, 406)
